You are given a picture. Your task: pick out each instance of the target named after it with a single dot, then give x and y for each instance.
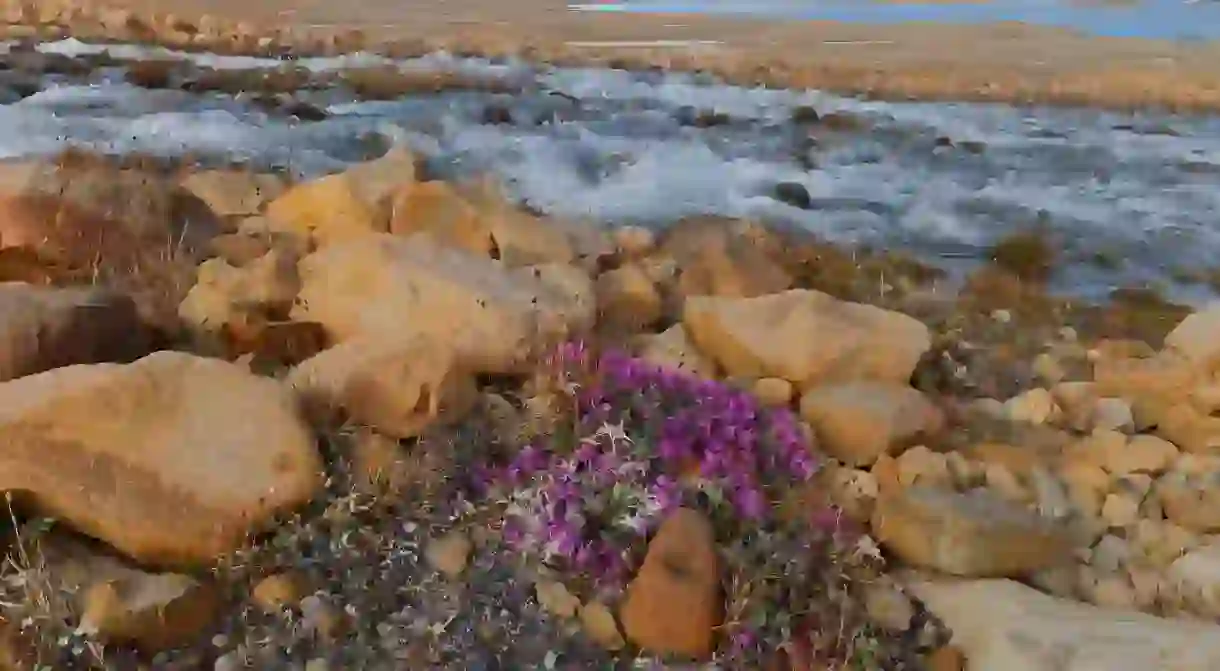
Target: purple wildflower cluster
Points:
(644, 439)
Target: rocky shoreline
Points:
(358, 374)
(376, 419)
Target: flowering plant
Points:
(639, 440)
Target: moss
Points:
(1139, 313)
(1029, 255)
(1106, 259)
(859, 275)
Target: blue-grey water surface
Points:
(1161, 19)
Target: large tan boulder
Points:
(1002, 625)
(227, 295)
(806, 337)
(522, 238)
(345, 205)
(43, 328)
(627, 298)
(1162, 380)
(858, 422)
(437, 209)
(172, 459)
(497, 318)
(1197, 337)
(724, 257)
(398, 387)
(478, 218)
(976, 533)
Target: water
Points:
(1160, 19)
(943, 180)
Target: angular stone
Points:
(225, 295)
(347, 205)
(627, 298)
(232, 193)
(1142, 454)
(1001, 625)
(1195, 577)
(1189, 429)
(1166, 377)
(118, 603)
(1036, 406)
(43, 328)
(969, 534)
(555, 598)
(858, 422)
(674, 603)
(478, 218)
(723, 257)
(598, 623)
(1192, 502)
(172, 459)
(773, 392)
(673, 349)
(806, 337)
(1197, 337)
(437, 209)
(398, 387)
(498, 319)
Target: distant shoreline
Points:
(1002, 62)
(1175, 20)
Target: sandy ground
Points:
(1005, 61)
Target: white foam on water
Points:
(120, 119)
(70, 47)
(678, 90)
(665, 179)
(91, 99)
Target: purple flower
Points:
(673, 450)
(666, 493)
(828, 520)
(585, 454)
(802, 465)
(750, 503)
(590, 396)
(743, 639)
(672, 419)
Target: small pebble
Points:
(230, 661)
(276, 592)
(555, 598)
(599, 625)
(1113, 414)
(449, 553)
